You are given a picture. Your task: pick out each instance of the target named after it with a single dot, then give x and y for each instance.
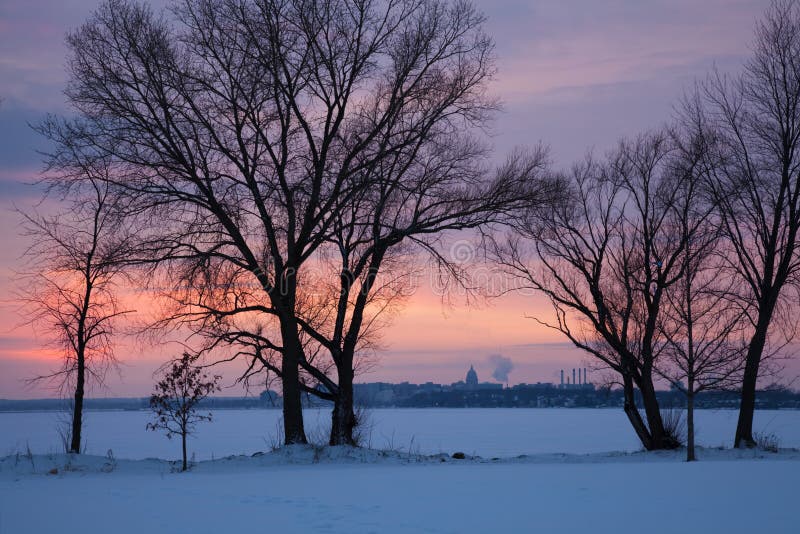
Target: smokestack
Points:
(573, 376)
(562, 377)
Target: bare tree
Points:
(174, 403)
(238, 129)
(70, 293)
(415, 199)
(605, 258)
(757, 180)
(366, 268)
(702, 325)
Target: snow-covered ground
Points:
(344, 490)
(486, 432)
(565, 481)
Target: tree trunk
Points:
(77, 409)
(183, 448)
(343, 419)
(747, 406)
(293, 430)
(690, 457)
(633, 414)
(659, 437)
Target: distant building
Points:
(472, 378)
(576, 382)
(470, 383)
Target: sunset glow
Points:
(573, 75)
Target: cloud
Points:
(581, 74)
(19, 143)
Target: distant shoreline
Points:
(383, 395)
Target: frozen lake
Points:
(487, 432)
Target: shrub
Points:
(767, 441)
(674, 425)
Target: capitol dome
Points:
(472, 377)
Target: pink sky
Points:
(574, 74)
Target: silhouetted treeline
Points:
(523, 396)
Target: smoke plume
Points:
(502, 367)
